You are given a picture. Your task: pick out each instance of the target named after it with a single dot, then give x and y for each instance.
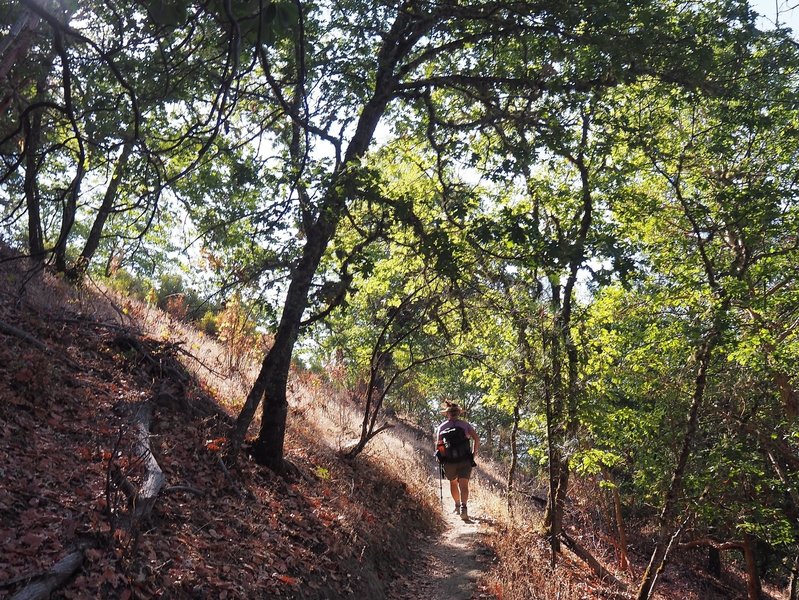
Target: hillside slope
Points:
(72, 380)
(78, 376)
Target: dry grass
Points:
(403, 450)
(227, 373)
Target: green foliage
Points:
(207, 323)
(127, 283)
(571, 200)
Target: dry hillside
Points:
(75, 379)
(105, 400)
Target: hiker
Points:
(456, 455)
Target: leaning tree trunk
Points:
(272, 380)
(666, 534)
(106, 207)
(68, 218)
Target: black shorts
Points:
(458, 470)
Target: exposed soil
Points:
(451, 564)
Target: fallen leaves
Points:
(59, 430)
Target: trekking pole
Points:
(441, 483)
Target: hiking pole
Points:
(441, 483)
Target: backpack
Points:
(453, 446)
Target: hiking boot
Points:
(464, 513)
(457, 509)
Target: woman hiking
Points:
(456, 455)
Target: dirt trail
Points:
(448, 566)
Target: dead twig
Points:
(23, 335)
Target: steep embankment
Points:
(111, 469)
(109, 458)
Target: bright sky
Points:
(787, 11)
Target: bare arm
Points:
(476, 440)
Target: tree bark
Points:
(154, 478)
(753, 587)
(59, 573)
(17, 41)
(272, 380)
(566, 398)
(7, 329)
(70, 198)
(600, 571)
(714, 561)
(624, 562)
(33, 134)
(554, 410)
(666, 536)
(514, 456)
(109, 198)
(793, 585)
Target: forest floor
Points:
(75, 371)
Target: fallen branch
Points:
(23, 335)
(53, 579)
(589, 559)
(711, 543)
(154, 478)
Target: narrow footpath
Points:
(450, 565)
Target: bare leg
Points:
(463, 486)
(454, 489)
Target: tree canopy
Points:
(578, 218)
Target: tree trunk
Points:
(566, 397)
(33, 134)
(271, 383)
(666, 536)
(714, 561)
(93, 240)
(375, 395)
(793, 586)
(624, 562)
(17, 41)
(554, 397)
(68, 219)
(154, 477)
(514, 457)
(273, 377)
(70, 198)
(43, 586)
(753, 587)
(601, 572)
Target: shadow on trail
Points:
(449, 565)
